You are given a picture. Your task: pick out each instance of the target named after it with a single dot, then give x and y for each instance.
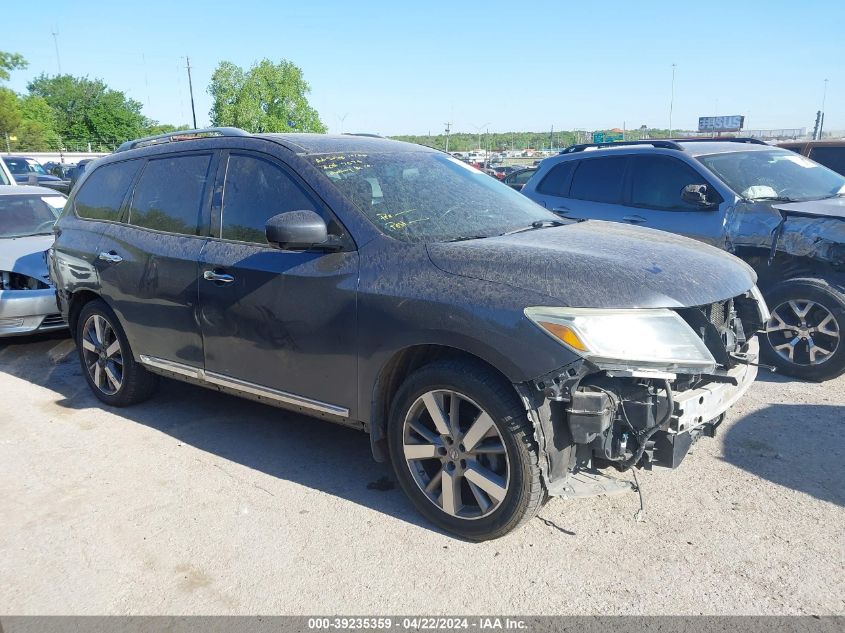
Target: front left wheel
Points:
(463, 450)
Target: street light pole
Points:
(672, 99)
(191, 89)
(342, 119)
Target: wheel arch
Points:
(396, 370)
(76, 303)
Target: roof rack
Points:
(367, 134)
(181, 135)
(666, 143)
(661, 143)
(723, 139)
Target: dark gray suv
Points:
(494, 353)
(782, 213)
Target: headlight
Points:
(627, 339)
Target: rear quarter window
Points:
(101, 196)
(557, 180)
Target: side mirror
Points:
(298, 231)
(696, 194)
(32, 178)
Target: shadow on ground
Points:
(793, 445)
(297, 448)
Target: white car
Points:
(27, 296)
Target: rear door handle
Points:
(634, 219)
(110, 257)
(221, 278)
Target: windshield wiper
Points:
(538, 224)
(465, 238)
(773, 199)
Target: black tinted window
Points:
(831, 157)
(255, 191)
(169, 194)
(657, 181)
(103, 193)
(599, 179)
(557, 179)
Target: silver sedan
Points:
(27, 296)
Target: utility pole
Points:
(56, 44)
(342, 119)
(448, 128)
(672, 100)
(191, 89)
(821, 120)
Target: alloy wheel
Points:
(803, 332)
(456, 454)
(102, 354)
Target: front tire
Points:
(463, 450)
(106, 359)
(804, 336)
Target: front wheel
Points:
(804, 336)
(463, 450)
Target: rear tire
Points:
(804, 336)
(474, 471)
(107, 361)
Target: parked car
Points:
(517, 179)
(831, 154)
(64, 171)
(30, 171)
(80, 168)
(501, 171)
(6, 177)
(782, 213)
(27, 296)
(494, 353)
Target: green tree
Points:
(154, 128)
(37, 129)
(267, 98)
(10, 62)
(10, 114)
(88, 111)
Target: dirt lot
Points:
(196, 502)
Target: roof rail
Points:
(367, 134)
(722, 139)
(181, 135)
(660, 143)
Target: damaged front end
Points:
(651, 403)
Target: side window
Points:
(169, 194)
(831, 157)
(556, 180)
(102, 194)
(254, 191)
(657, 181)
(599, 179)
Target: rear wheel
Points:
(107, 362)
(463, 450)
(804, 336)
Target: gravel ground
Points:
(200, 503)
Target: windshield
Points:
(775, 174)
(22, 216)
(428, 197)
(24, 166)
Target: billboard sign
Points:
(720, 123)
(606, 137)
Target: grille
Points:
(52, 319)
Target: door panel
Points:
(149, 265)
(285, 321)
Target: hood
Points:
(601, 265)
(24, 178)
(828, 208)
(26, 255)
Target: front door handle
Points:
(110, 257)
(634, 219)
(221, 278)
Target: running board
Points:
(589, 483)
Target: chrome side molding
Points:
(243, 386)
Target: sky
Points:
(394, 67)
